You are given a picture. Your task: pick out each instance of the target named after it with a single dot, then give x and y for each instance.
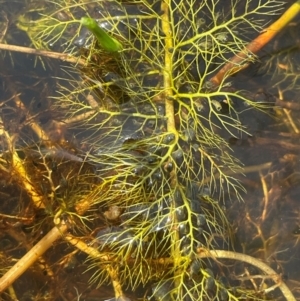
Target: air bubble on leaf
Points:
(149, 183)
(152, 159)
(139, 170)
(161, 110)
(201, 220)
(181, 214)
(189, 135)
(183, 229)
(222, 37)
(159, 216)
(227, 85)
(81, 40)
(168, 138)
(168, 167)
(160, 223)
(178, 154)
(158, 175)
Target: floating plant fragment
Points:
(105, 40)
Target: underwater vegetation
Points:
(128, 175)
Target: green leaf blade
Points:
(107, 42)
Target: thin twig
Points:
(94, 253)
(30, 257)
(20, 171)
(50, 54)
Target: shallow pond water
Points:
(57, 139)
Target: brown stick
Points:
(94, 253)
(50, 54)
(239, 62)
(30, 257)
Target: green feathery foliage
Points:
(156, 131)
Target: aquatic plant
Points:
(151, 126)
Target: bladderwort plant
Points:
(154, 124)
